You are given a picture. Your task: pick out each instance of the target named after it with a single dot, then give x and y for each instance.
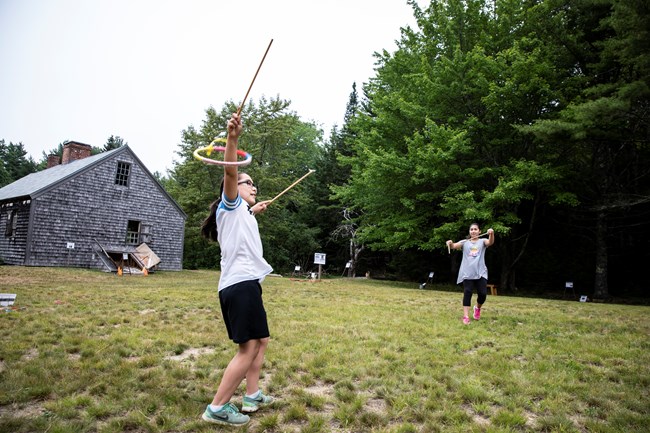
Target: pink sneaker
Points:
(477, 313)
(466, 320)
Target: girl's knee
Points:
(250, 348)
(253, 347)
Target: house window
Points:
(122, 174)
(133, 233)
(12, 222)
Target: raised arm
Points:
(230, 179)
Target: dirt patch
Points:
(376, 405)
(31, 354)
(476, 417)
(191, 354)
(320, 390)
(531, 419)
(22, 411)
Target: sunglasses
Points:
(247, 182)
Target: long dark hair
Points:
(209, 226)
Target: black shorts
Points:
(243, 311)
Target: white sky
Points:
(144, 70)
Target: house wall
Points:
(12, 248)
(91, 206)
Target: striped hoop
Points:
(247, 157)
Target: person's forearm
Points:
(230, 155)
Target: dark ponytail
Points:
(209, 226)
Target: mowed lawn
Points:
(88, 351)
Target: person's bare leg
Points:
(466, 310)
(236, 371)
(253, 373)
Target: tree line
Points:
(16, 163)
(530, 117)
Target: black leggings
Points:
(481, 288)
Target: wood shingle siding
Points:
(14, 245)
(59, 222)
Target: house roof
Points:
(34, 184)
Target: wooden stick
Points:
(251, 86)
(479, 236)
(465, 240)
(290, 186)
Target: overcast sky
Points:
(144, 70)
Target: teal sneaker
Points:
(227, 415)
(253, 404)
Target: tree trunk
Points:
(509, 265)
(507, 281)
(601, 290)
(353, 263)
(354, 257)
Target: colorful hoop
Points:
(211, 147)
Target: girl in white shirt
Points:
(232, 223)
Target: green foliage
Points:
(437, 144)
(114, 142)
(332, 173)
(604, 122)
(13, 162)
(42, 164)
(284, 148)
(501, 113)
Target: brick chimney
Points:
(73, 151)
(53, 160)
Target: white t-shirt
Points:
(241, 247)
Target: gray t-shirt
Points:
(473, 265)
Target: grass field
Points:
(87, 351)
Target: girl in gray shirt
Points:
(473, 273)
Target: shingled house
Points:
(90, 212)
